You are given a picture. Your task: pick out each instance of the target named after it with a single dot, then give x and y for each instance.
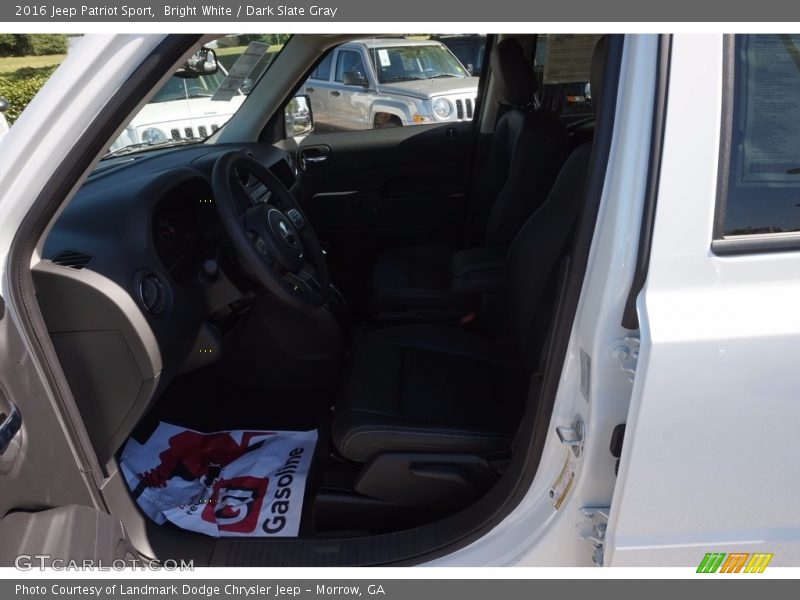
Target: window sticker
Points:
(239, 71)
(563, 483)
(770, 146)
(383, 56)
(569, 58)
(586, 374)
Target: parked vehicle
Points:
(194, 103)
(589, 358)
(390, 82)
(183, 109)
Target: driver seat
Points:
(430, 409)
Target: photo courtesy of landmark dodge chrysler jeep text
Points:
(559, 331)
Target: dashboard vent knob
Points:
(151, 294)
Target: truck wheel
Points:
(384, 121)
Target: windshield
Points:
(183, 88)
(189, 109)
(407, 63)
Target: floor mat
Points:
(227, 483)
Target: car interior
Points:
(399, 295)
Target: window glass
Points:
(191, 106)
(410, 63)
(348, 62)
(323, 70)
(562, 64)
(763, 179)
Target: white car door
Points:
(709, 464)
(50, 476)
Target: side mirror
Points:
(355, 78)
(3, 104)
(298, 117)
(202, 62)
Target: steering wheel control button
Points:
(284, 239)
(296, 217)
(289, 236)
(210, 270)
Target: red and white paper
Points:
(224, 484)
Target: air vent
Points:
(72, 259)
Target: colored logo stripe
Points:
(734, 563)
(711, 562)
(758, 562)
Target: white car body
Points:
(710, 460)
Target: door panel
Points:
(385, 188)
(67, 533)
(38, 467)
(348, 104)
(712, 463)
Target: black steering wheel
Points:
(269, 231)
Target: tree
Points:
(26, 44)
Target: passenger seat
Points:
(528, 148)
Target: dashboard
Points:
(122, 285)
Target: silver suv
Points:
(389, 82)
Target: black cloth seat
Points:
(527, 150)
(425, 388)
(448, 388)
(444, 388)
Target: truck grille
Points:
(189, 132)
(464, 108)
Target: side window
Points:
(411, 80)
(562, 63)
(349, 61)
(323, 70)
(760, 189)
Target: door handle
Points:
(9, 427)
(314, 157)
(309, 162)
(310, 90)
(335, 94)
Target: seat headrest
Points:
(513, 72)
(597, 69)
